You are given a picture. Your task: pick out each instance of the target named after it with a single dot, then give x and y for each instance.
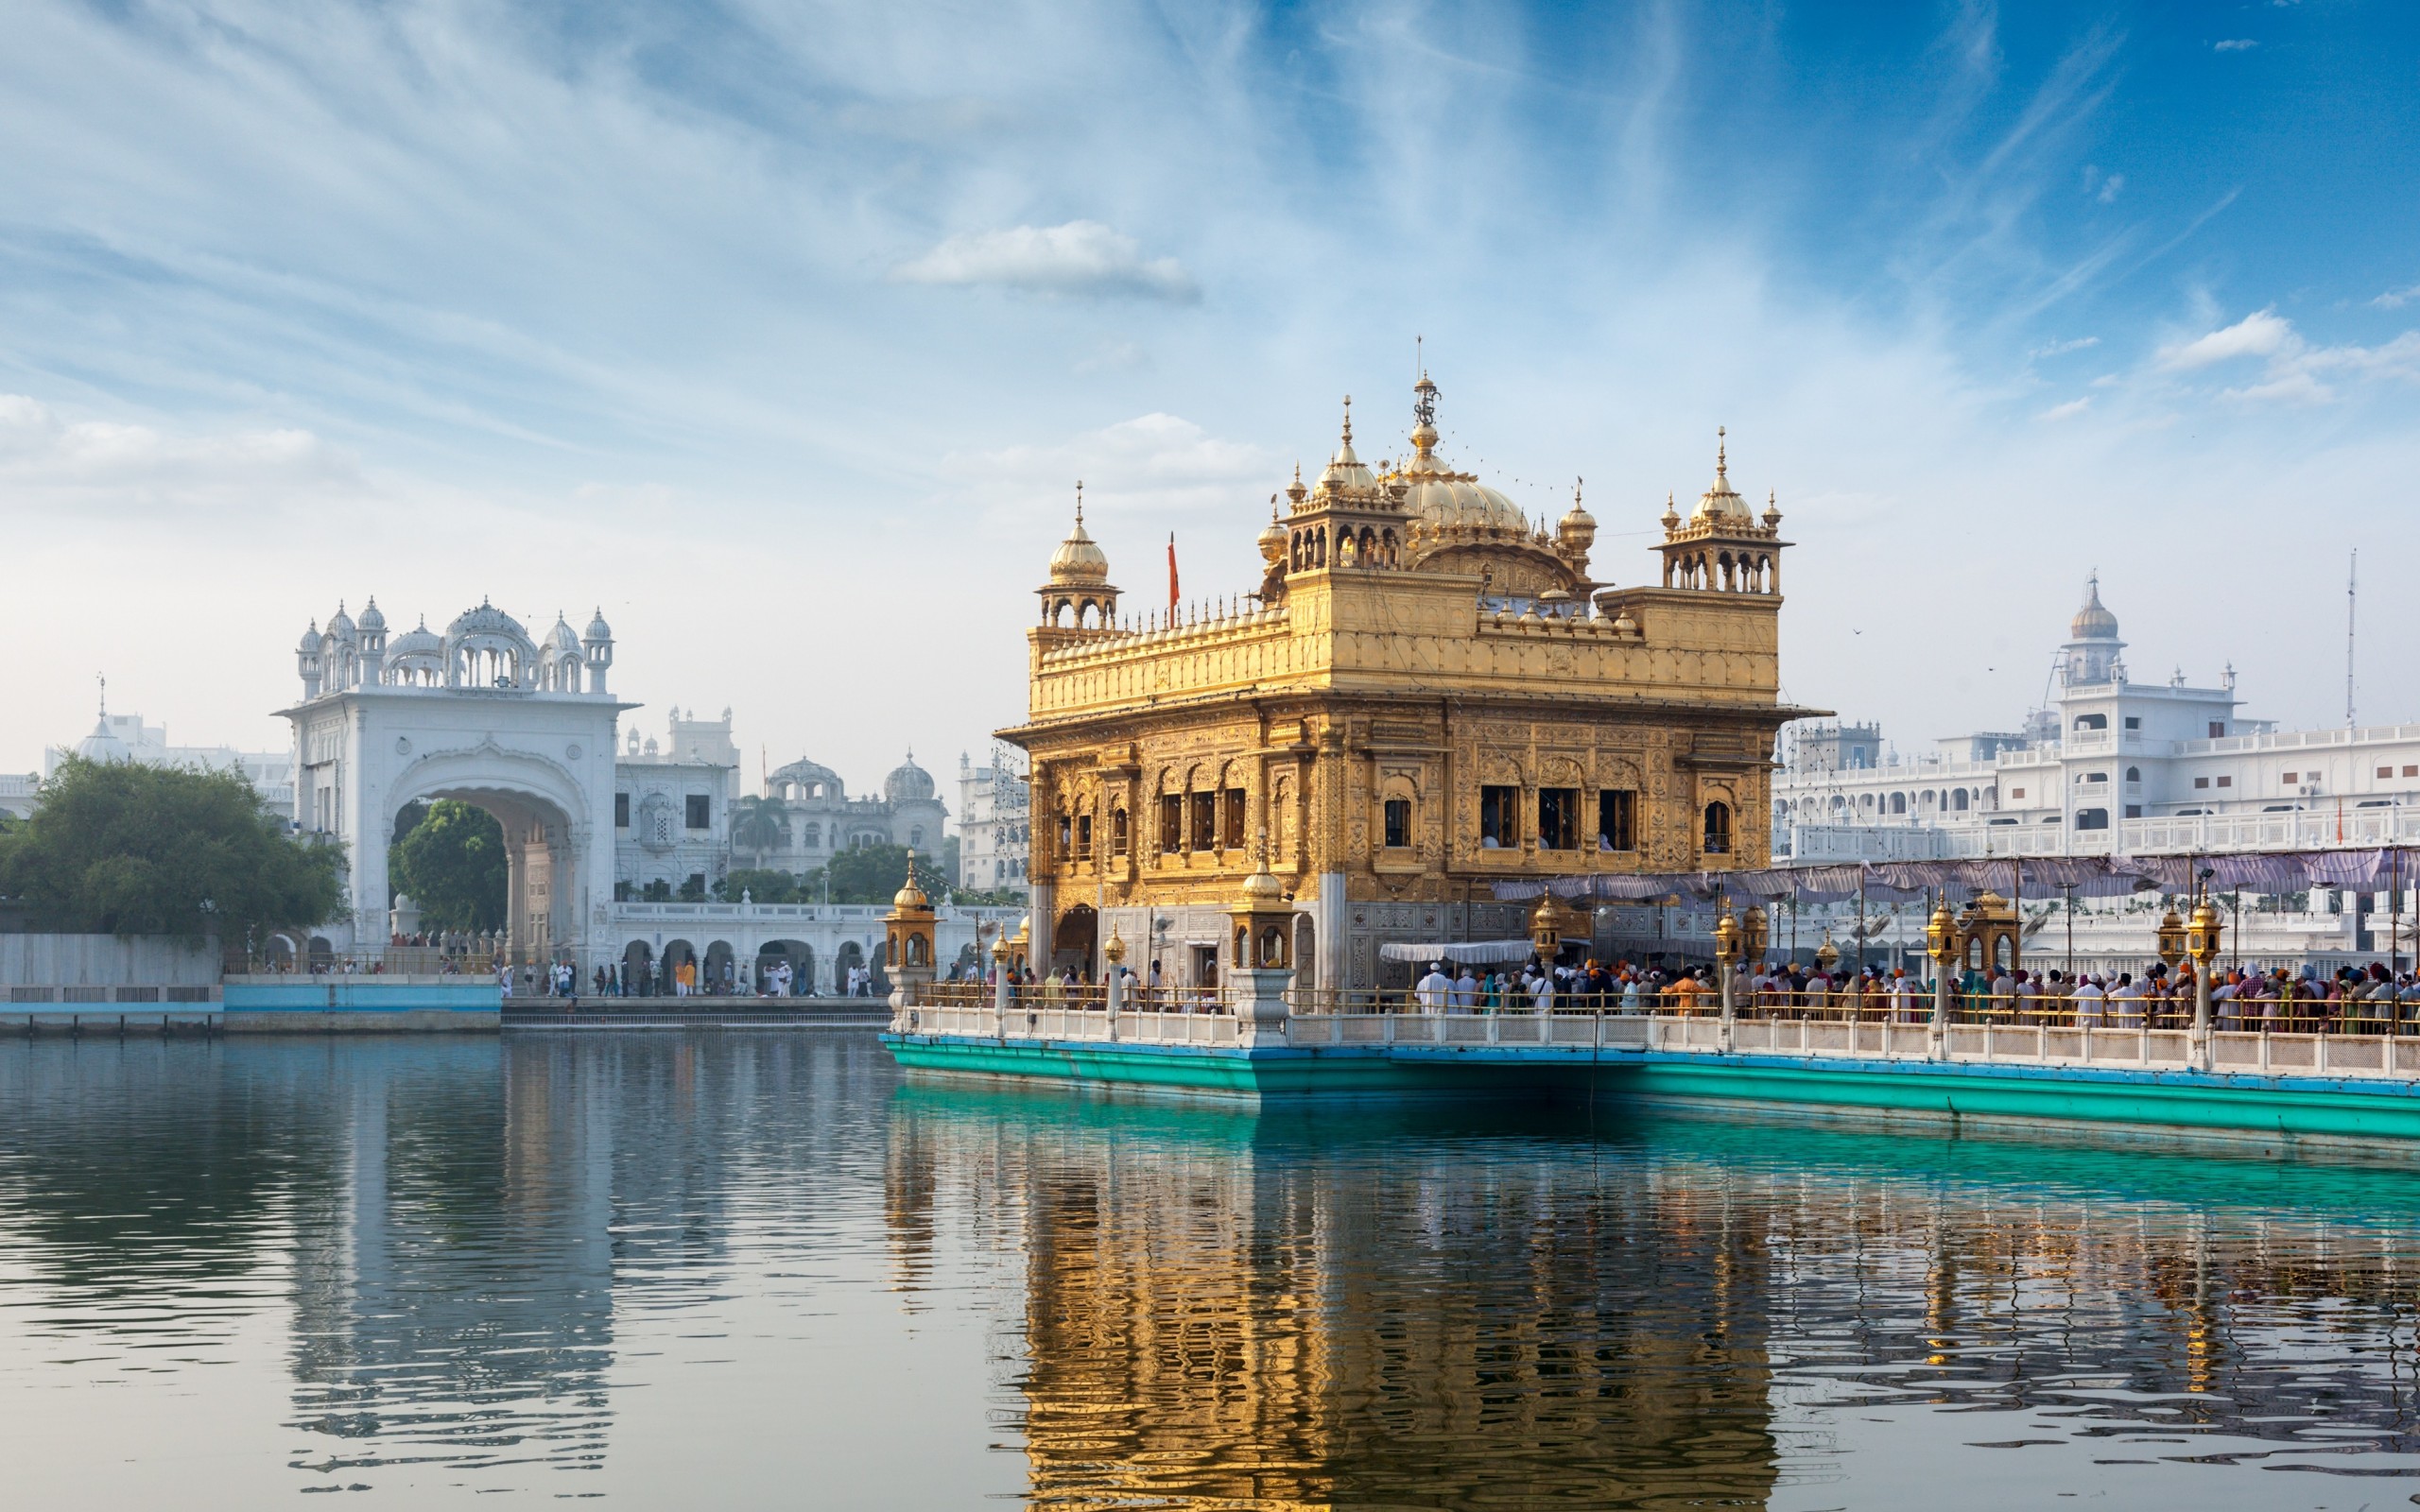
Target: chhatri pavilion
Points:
(1427, 694)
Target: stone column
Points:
(1259, 1002)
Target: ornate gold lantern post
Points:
(1114, 989)
(2172, 939)
(1001, 969)
(909, 932)
(1262, 966)
(2202, 943)
(1941, 944)
(1726, 951)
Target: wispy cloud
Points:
(2297, 371)
(1083, 259)
(2057, 348)
(2233, 44)
(1155, 463)
(111, 469)
(2397, 299)
(2066, 411)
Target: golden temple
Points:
(1428, 694)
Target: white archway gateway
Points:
(484, 715)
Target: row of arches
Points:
(1369, 546)
(720, 969)
(1084, 612)
(1920, 802)
(1723, 571)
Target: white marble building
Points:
(2112, 766)
(606, 829)
(127, 738)
(993, 821)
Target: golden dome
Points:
(1577, 527)
(1721, 502)
(910, 896)
(1346, 472)
(1079, 558)
(1273, 538)
(1436, 496)
(1262, 888)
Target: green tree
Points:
(453, 864)
(122, 848)
(868, 875)
(758, 825)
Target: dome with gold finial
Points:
(910, 896)
(2093, 622)
(1346, 472)
(1079, 558)
(1577, 529)
(1720, 502)
(1440, 498)
(1273, 539)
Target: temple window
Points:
(1559, 818)
(1118, 832)
(699, 809)
(1718, 829)
(1204, 835)
(1172, 821)
(1231, 820)
(1500, 821)
(1399, 823)
(1083, 838)
(621, 811)
(1616, 819)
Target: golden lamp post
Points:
(1941, 944)
(2202, 943)
(1726, 953)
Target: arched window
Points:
(1898, 802)
(1118, 832)
(1718, 829)
(2092, 818)
(2134, 774)
(1958, 800)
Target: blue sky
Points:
(783, 331)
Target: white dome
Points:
(598, 628)
(908, 781)
(103, 745)
(485, 620)
(560, 637)
(420, 642)
(311, 642)
(341, 625)
(371, 621)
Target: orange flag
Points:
(1171, 570)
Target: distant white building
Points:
(2112, 766)
(993, 822)
(127, 738)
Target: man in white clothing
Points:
(1466, 991)
(2088, 1003)
(1431, 991)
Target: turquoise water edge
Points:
(2266, 1107)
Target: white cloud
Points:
(1153, 463)
(2295, 368)
(113, 469)
(2110, 188)
(2058, 349)
(2235, 45)
(1081, 259)
(2066, 411)
(2397, 299)
(2261, 334)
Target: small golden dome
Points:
(910, 896)
(1720, 501)
(1577, 527)
(1079, 558)
(1273, 538)
(1263, 889)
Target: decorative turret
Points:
(907, 940)
(1576, 532)
(2093, 653)
(307, 660)
(1078, 589)
(598, 646)
(1722, 547)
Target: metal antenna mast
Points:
(2352, 590)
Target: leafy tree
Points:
(454, 866)
(693, 889)
(658, 891)
(868, 875)
(758, 824)
(123, 849)
(764, 887)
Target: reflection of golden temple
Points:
(1428, 693)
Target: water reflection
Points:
(566, 1265)
(1536, 1309)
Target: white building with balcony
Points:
(2112, 766)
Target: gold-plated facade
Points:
(1428, 695)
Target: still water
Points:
(745, 1270)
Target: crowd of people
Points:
(2349, 1000)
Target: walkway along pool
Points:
(2265, 1086)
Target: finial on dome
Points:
(1079, 500)
(1721, 452)
(1348, 420)
(1772, 507)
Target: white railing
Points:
(2350, 1056)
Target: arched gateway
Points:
(482, 714)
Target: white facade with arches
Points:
(522, 727)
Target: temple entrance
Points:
(1072, 941)
(638, 970)
(847, 958)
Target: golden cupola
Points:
(1722, 545)
(1446, 503)
(1078, 593)
(1577, 531)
